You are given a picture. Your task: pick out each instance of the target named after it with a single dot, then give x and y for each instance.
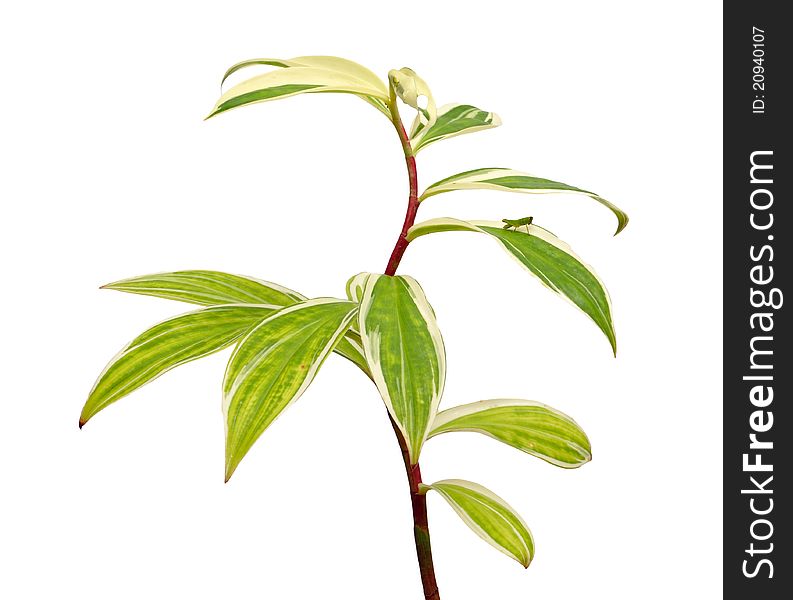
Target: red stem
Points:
(413, 200)
(418, 500)
(421, 530)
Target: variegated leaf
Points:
(356, 285)
(510, 180)
(351, 348)
(283, 83)
(208, 288)
(452, 120)
(531, 427)
(411, 89)
(331, 63)
(214, 287)
(169, 344)
(274, 364)
(404, 350)
(489, 516)
(548, 258)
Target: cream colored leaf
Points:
(283, 83)
(414, 92)
(330, 63)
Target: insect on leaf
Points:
(404, 350)
(169, 344)
(531, 427)
(489, 516)
(274, 364)
(546, 257)
(509, 180)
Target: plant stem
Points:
(421, 531)
(413, 198)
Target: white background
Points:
(108, 172)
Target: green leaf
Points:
(274, 364)
(404, 350)
(282, 83)
(546, 257)
(514, 181)
(208, 288)
(489, 516)
(170, 344)
(213, 287)
(452, 120)
(531, 427)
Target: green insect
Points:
(515, 223)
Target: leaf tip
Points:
(526, 562)
(85, 416)
(113, 285)
(612, 337)
(231, 466)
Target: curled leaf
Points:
(414, 92)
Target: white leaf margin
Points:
(364, 284)
(442, 224)
(445, 417)
(418, 131)
(228, 394)
(480, 489)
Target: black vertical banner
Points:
(758, 259)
